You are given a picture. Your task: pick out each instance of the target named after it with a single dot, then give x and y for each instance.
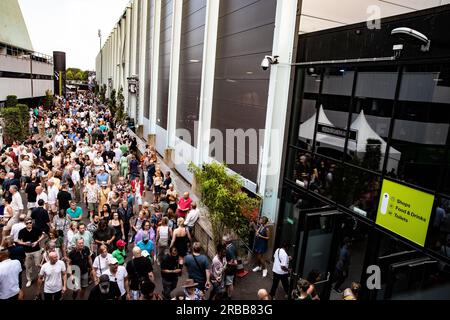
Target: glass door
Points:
(317, 249)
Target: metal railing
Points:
(19, 53)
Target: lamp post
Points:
(101, 56)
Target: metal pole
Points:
(101, 57)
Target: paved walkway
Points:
(246, 288)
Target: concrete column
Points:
(280, 74)
(133, 48)
(155, 70)
(142, 71)
(207, 83)
(174, 76)
(127, 55)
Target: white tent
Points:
(364, 132)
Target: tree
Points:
(227, 204)
(69, 75)
(85, 76)
(78, 76)
(103, 94)
(372, 157)
(11, 101)
(48, 99)
(120, 107)
(113, 102)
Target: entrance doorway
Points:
(316, 248)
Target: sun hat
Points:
(189, 283)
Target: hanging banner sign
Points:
(405, 211)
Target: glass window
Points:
(306, 106)
(421, 126)
(371, 117)
(446, 184)
(334, 104)
(362, 190)
(326, 178)
(407, 274)
(300, 170)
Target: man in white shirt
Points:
(192, 217)
(16, 204)
(15, 229)
(101, 262)
(53, 275)
(280, 269)
(25, 166)
(10, 270)
(41, 195)
(119, 275)
(52, 196)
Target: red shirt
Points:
(185, 206)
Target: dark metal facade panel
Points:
(191, 56)
(148, 57)
(164, 64)
(245, 36)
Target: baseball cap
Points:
(113, 261)
(121, 243)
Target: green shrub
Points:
(11, 101)
(15, 128)
(228, 205)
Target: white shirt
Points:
(76, 177)
(52, 194)
(9, 278)
(15, 229)
(280, 258)
(101, 265)
(42, 196)
(53, 276)
(192, 218)
(25, 167)
(119, 278)
(16, 203)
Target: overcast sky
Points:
(71, 26)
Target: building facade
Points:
(23, 72)
(367, 156)
(325, 129)
(193, 82)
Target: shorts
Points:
(52, 207)
(31, 205)
(229, 280)
(92, 206)
(83, 282)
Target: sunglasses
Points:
(29, 222)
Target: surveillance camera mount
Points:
(426, 43)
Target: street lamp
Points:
(101, 56)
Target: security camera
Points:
(269, 60)
(410, 34)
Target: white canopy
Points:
(364, 133)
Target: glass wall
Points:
(354, 126)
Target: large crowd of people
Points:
(77, 215)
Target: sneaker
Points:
(264, 273)
(28, 284)
(257, 269)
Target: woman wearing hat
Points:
(191, 292)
